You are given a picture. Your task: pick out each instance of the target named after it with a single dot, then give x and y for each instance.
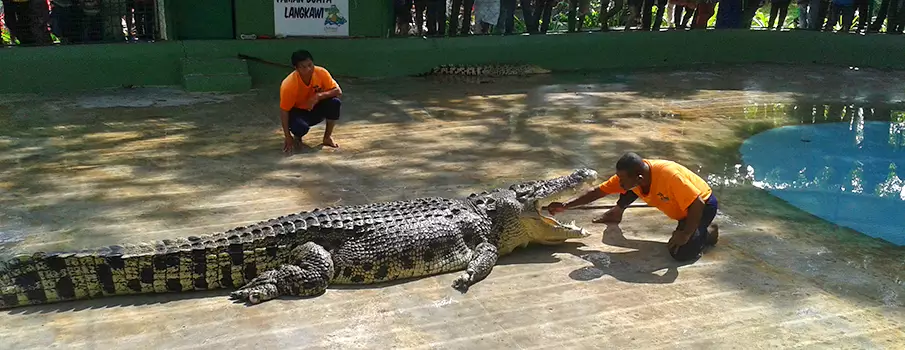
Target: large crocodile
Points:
(485, 70)
(302, 254)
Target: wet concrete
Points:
(95, 170)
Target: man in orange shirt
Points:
(678, 192)
(308, 96)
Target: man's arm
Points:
(610, 186)
(695, 211)
(284, 119)
(688, 196)
(586, 198)
(288, 91)
(334, 92)
(333, 89)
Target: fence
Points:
(43, 22)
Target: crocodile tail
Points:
(224, 260)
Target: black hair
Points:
(630, 162)
(299, 56)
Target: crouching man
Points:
(308, 96)
(670, 187)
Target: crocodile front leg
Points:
(479, 267)
(309, 276)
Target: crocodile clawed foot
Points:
(462, 282)
(260, 289)
(256, 294)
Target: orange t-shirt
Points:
(294, 92)
(672, 190)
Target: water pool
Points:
(844, 172)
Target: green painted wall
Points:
(201, 19)
(79, 67)
(61, 68)
(402, 56)
(367, 18)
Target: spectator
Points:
(778, 8)
(845, 8)
(486, 14)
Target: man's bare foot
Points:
(713, 234)
(328, 141)
(297, 143)
(612, 216)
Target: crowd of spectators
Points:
(469, 17)
(43, 22)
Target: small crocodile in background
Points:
(482, 73)
(303, 254)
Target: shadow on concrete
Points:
(636, 266)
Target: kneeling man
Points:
(674, 189)
(308, 96)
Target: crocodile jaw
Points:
(557, 231)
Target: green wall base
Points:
(215, 75)
(80, 67)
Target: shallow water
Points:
(844, 169)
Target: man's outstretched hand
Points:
(612, 216)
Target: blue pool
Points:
(846, 172)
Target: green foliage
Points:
(4, 36)
(559, 21)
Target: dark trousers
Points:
(300, 120)
(647, 14)
(863, 7)
(543, 11)
(507, 16)
(729, 14)
(436, 17)
(847, 13)
(778, 12)
(695, 245)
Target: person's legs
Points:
(301, 121)
(833, 18)
(298, 125)
(783, 12)
(848, 16)
(701, 238)
(803, 15)
(507, 13)
(774, 11)
(327, 110)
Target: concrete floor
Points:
(147, 164)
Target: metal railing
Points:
(47, 22)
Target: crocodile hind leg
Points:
(309, 276)
(482, 262)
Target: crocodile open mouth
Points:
(549, 220)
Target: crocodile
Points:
(302, 254)
(486, 70)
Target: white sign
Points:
(311, 17)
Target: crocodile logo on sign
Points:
(334, 19)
